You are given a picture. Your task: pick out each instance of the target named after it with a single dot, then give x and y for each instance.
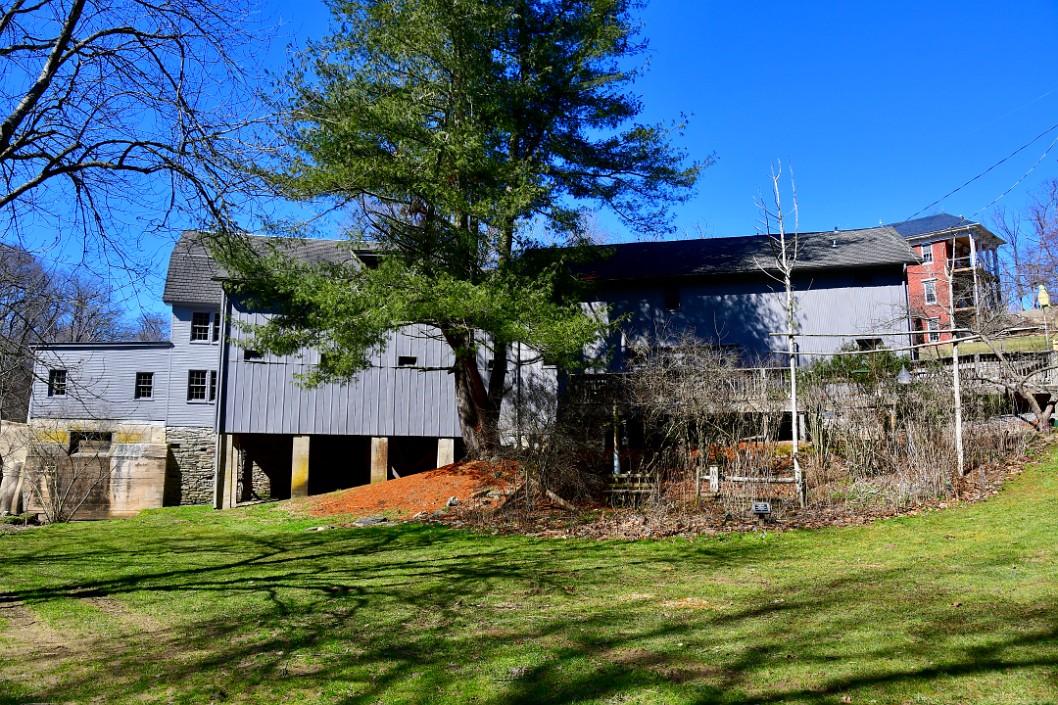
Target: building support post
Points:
(977, 285)
(379, 460)
(446, 451)
(226, 478)
(299, 467)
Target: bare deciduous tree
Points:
(786, 251)
(1027, 376)
(38, 305)
(26, 315)
(111, 107)
(68, 470)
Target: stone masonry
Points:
(253, 482)
(189, 466)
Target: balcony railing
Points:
(956, 264)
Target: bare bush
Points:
(558, 448)
(874, 442)
(879, 442)
(68, 471)
(700, 410)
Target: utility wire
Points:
(1023, 177)
(1017, 151)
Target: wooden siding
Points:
(101, 382)
(263, 395)
(744, 311)
(188, 355)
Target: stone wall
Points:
(253, 482)
(13, 444)
(189, 467)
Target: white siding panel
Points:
(101, 382)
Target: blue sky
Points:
(880, 109)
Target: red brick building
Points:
(957, 281)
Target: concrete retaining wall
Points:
(13, 441)
(95, 480)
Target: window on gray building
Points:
(197, 385)
(57, 383)
(144, 385)
(212, 385)
(672, 299)
(200, 326)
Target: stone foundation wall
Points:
(189, 466)
(259, 485)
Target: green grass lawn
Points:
(196, 606)
(1031, 343)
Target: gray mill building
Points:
(203, 420)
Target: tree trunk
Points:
(478, 406)
(1042, 413)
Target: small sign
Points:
(761, 508)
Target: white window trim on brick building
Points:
(929, 291)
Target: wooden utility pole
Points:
(960, 460)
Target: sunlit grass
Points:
(1030, 343)
(195, 606)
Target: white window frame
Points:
(927, 253)
(145, 389)
(929, 291)
(201, 332)
(207, 387)
(933, 330)
(58, 380)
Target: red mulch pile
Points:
(471, 483)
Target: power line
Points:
(1017, 151)
(1023, 177)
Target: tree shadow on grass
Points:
(416, 614)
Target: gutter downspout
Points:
(218, 414)
(907, 307)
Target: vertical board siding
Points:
(264, 395)
(746, 312)
(383, 400)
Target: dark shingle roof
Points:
(931, 224)
(943, 226)
(870, 247)
(193, 276)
